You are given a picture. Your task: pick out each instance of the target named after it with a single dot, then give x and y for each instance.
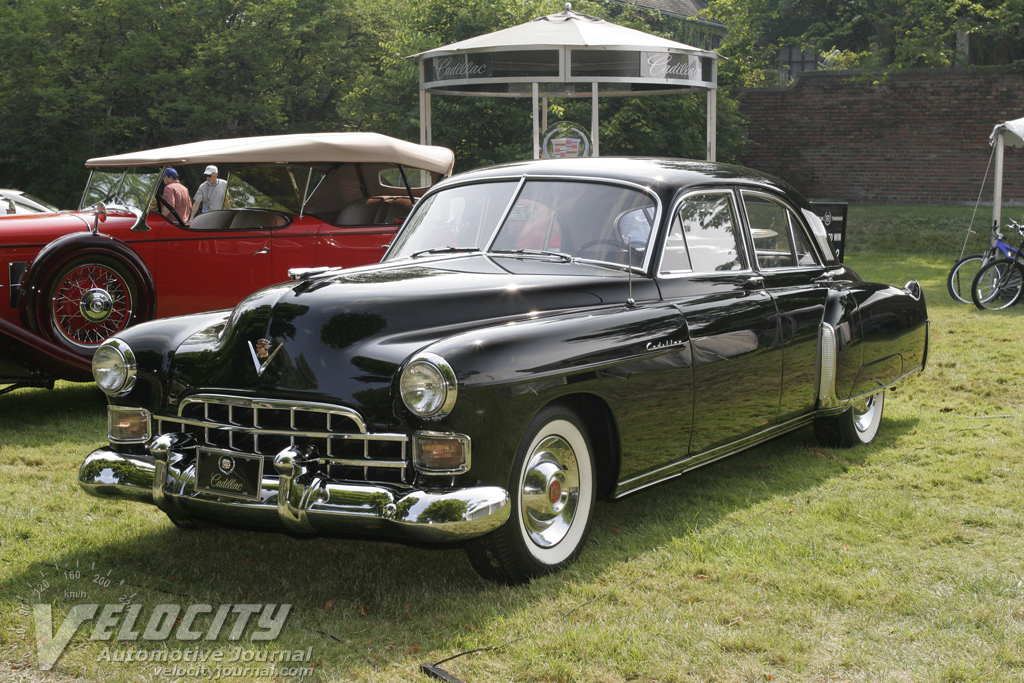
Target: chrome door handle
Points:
(754, 282)
(264, 250)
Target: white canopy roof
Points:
(1013, 133)
(299, 148)
(567, 55)
(566, 29)
(1006, 134)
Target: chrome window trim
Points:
(739, 219)
(792, 213)
(523, 178)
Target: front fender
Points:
(507, 373)
(77, 244)
(26, 355)
(155, 344)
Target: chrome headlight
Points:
(114, 367)
(428, 386)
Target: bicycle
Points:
(963, 273)
(1000, 283)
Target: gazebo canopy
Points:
(566, 55)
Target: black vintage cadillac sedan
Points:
(539, 335)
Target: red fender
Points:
(56, 252)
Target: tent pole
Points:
(536, 129)
(595, 127)
(997, 182)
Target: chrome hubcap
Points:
(96, 305)
(864, 413)
(550, 492)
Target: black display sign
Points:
(833, 216)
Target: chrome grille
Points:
(339, 436)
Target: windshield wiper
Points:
(444, 250)
(564, 258)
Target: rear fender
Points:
(880, 336)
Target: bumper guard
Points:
(298, 500)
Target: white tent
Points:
(567, 55)
(1010, 133)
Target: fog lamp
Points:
(127, 425)
(435, 453)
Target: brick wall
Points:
(921, 137)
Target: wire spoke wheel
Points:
(961, 276)
(90, 302)
(998, 285)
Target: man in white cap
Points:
(212, 194)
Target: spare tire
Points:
(81, 295)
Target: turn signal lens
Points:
(127, 425)
(440, 453)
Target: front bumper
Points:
(297, 500)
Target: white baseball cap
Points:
(210, 170)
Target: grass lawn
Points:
(900, 561)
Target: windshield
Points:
(129, 188)
(578, 219)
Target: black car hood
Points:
(344, 335)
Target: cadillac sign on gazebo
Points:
(567, 55)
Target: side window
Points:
(704, 237)
(804, 254)
(778, 235)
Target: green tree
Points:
(885, 34)
(90, 77)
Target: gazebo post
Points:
(712, 123)
(536, 126)
(595, 131)
(425, 133)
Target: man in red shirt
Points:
(176, 195)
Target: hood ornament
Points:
(262, 355)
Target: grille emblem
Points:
(262, 355)
(226, 464)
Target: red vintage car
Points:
(72, 279)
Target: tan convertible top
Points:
(299, 148)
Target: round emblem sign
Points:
(565, 140)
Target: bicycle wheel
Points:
(961, 276)
(998, 285)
